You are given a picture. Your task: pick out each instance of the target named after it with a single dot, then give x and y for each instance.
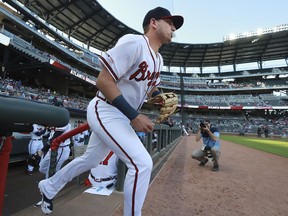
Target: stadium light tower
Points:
(258, 32)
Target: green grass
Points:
(274, 146)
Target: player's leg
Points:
(39, 145)
(95, 152)
(120, 137)
(63, 155)
(32, 149)
(45, 164)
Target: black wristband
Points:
(121, 104)
(155, 93)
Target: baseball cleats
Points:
(28, 172)
(38, 204)
(47, 204)
(204, 162)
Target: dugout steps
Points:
(72, 201)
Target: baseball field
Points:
(274, 146)
(250, 180)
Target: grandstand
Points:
(43, 53)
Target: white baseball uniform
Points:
(36, 142)
(105, 173)
(62, 156)
(136, 70)
(78, 139)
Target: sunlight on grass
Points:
(278, 147)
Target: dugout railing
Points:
(167, 139)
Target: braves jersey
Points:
(65, 129)
(144, 66)
(37, 129)
(79, 139)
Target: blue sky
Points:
(206, 21)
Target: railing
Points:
(167, 139)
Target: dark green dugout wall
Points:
(17, 111)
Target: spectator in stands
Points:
(259, 131)
(211, 145)
(266, 131)
(66, 102)
(57, 102)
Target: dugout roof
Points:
(89, 22)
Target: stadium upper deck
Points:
(32, 36)
(88, 22)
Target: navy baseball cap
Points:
(162, 13)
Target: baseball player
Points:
(36, 143)
(62, 156)
(130, 74)
(78, 139)
(105, 174)
(63, 151)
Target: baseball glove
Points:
(33, 159)
(168, 102)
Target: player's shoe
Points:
(29, 172)
(38, 204)
(204, 162)
(47, 204)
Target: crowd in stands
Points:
(13, 88)
(262, 100)
(203, 83)
(242, 125)
(277, 126)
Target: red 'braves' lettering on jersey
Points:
(142, 74)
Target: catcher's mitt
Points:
(168, 102)
(33, 159)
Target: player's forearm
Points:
(106, 84)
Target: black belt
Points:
(102, 179)
(102, 98)
(64, 146)
(36, 139)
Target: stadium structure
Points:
(51, 48)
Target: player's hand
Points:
(142, 123)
